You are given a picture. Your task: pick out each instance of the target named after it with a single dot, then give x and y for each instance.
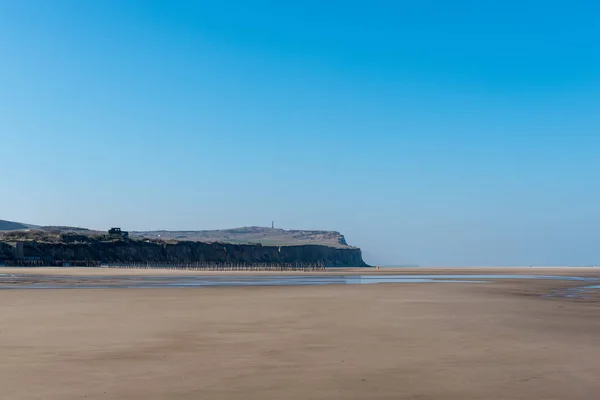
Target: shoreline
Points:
(96, 271)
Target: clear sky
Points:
(428, 132)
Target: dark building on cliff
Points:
(117, 232)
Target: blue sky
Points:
(430, 132)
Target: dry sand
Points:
(447, 341)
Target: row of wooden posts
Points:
(195, 266)
(222, 266)
(51, 263)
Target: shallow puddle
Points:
(86, 282)
(576, 293)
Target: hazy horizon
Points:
(426, 133)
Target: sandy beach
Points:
(503, 339)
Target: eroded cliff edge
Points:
(77, 247)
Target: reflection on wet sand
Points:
(28, 281)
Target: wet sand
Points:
(79, 271)
(63, 278)
(499, 340)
